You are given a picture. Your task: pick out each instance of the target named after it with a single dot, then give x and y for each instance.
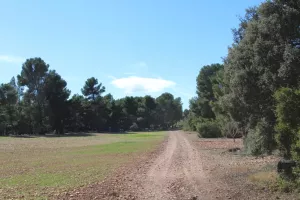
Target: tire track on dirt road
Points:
(177, 173)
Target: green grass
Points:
(4, 138)
(36, 168)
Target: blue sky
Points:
(134, 47)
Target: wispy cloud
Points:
(133, 84)
(11, 59)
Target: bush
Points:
(288, 120)
(288, 128)
(253, 143)
(260, 139)
(209, 129)
(134, 127)
(190, 123)
(231, 130)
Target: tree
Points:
(200, 105)
(56, 93)
(265, 58)
(115, 116)
(168, 110)
(33, 75)
(8, 95)
(75, 116)
(18, 88)
(147, 111)
(129, 111)
(92, 89)
(186, 113)
(8, 100)
(239, 33)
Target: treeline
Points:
(255, 93)
(38, 102)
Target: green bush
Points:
(259, 140)
(253, 142)
(288, 120)
(183, 124)
(190, 122)
(209, 129)
(288, 127)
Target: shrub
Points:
(253, 142)
(260, 139)
(231, 130)
(288, 119)
(134, 127)
(209, 129)
(190, 122)
(288, 127)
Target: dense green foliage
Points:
(209, 129)
(204, 114)
(288, 122)
(40, 103)
(255, 93)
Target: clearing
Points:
(44, 167)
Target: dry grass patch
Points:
(221, 143)
(38, 168)
(267, 177)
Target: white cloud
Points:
(11, 59)
(133, 84)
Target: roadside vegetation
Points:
(254, 93)
(42, 167)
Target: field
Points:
(42, 167)
(186, 167)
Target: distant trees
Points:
(40, 103)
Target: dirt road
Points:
(177, 173)
(179, 169)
